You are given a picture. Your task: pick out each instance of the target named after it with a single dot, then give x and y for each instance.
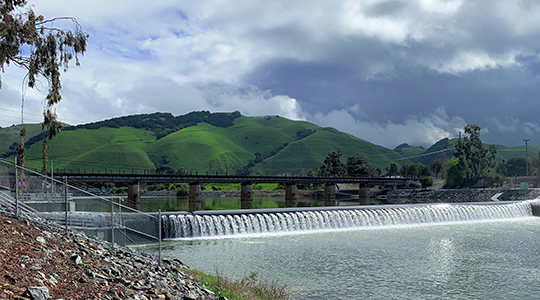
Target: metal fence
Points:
(35, 195)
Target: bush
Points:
(426, 181)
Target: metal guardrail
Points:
(120, 223)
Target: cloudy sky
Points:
(390, 72)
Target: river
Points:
(465, 260)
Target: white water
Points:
(210, 226)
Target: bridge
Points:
(246, 181)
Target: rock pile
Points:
(39, 261)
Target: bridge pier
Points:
(246, 196)
(195, 196)
(290, 195)
(362, 194)
(330, 194)
(134, 192)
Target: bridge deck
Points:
(158, 178)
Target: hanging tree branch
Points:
(37, 45)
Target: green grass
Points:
(412, 151)
(10, 135)
(111, 148)
(310, 152)
(206, 148)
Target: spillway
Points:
(208, 224)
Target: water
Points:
(278, 222)
(168, 204)
(483, 260)
(455, 259)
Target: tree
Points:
(473, 156)
(332, 165)
(426, 181)
(392, 169)
(501, 168)
(359, 165)
(36, 45)
(436, 167)
(516, 166)
(165, 169)
(455, 173)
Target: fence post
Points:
(16, 189)
(112, 222)
(159, 237)
(66, 200)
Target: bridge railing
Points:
(73, 208)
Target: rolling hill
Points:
(220, 142)
(270, 144)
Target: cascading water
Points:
(273, 222)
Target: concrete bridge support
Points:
(330, 194)
(246, 196)
(195, 196)
(291, 198)
(362, 194)
(134, 192)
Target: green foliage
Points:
(436, 167)
(392, 169)
(426, 181)
(163, 124)
(494, 178)
(359, 165)
(332, 165)
(302, 133)
(248, 288)
(501, 168)
(34, 43)
(455, 174)
(414, 185)
(516, 166)
(165, 170)
(414, 170)
(472, 154)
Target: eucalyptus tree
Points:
(473, 156)
(35, 44)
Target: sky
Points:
(389, 72)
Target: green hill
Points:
(9, 136)
(407, 150)
(203, 142)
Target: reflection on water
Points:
(492, 260)
(167, 204)
(153, 204)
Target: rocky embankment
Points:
(40, 261)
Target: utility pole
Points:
(526, 156)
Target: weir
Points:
(208, 224)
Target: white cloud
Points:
(465, 61)
(415, 130)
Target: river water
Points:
(465, 260)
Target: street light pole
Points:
(526, 157)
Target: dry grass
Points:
(248, 288)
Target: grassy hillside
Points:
(407, 150)
(310, 152)
(505, 153)
(10, 135)
(260, 144)
(112, 148)
(199, 148)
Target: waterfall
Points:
(255, 222)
